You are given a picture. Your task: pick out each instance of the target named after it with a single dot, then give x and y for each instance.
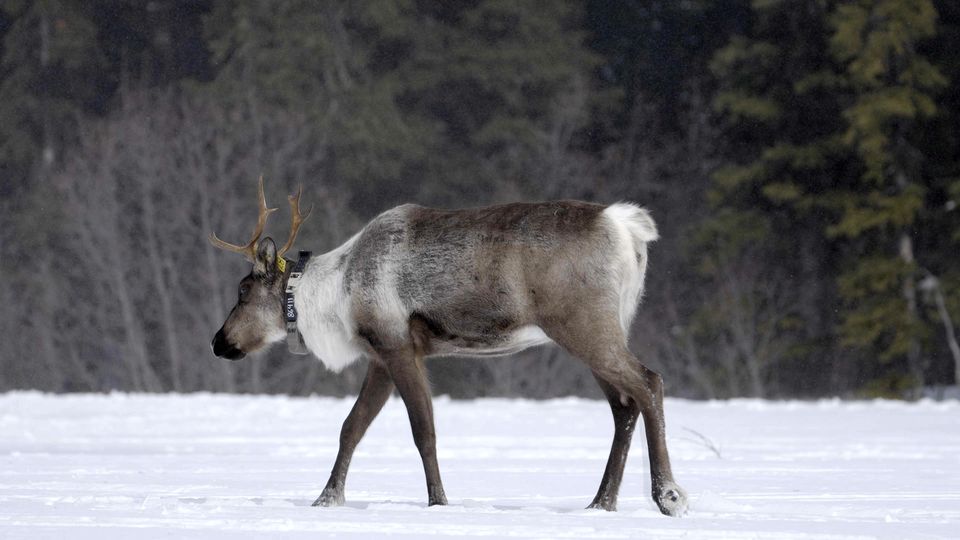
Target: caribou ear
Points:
(266, 263)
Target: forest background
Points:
(801, 158)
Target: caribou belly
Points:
(507, 343)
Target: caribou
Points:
(417, 282)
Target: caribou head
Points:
(257, 318)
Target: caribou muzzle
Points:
(225, 349)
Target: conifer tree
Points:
(406, 95)
(775, 100)
(892, 87)
(48, 72)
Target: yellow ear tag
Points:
(282, 265)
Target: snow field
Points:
(217, 466)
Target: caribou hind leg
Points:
(373, 394)
(596, 338)
(625, 414)
(646, 388)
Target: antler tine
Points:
(298, 219)
(249, 250)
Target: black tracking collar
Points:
(294, 338)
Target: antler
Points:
(249, 250)
(298, 220)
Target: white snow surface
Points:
(218, 466)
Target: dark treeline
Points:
(800, 156)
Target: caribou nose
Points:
(224, 349)
(219, 344)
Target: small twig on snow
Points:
(704, 441)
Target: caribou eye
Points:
(244, 289)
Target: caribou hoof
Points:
(330, 497)
(608, 506)
(671, 499)
(604, 502)
(436, 496)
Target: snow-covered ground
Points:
(206, 466)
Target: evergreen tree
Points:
(313, 61)
(407, 96)
(49, 71)
(940, 238)
(498, 79)
(892, 88)
(775, 100)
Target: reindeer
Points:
(417, 282)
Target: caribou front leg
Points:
(410, 376)
(373, 394)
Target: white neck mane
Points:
(323, 309)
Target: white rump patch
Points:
(633, 228)
(636, 218)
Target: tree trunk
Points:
(47, 154)
(932, 284)
(910, 296)
(159, 266)
(46, 334)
